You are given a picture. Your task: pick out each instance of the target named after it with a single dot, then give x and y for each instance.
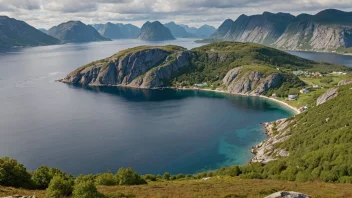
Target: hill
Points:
(75, 32)
(238, 68)
(155, 31)
(205, 31)
(15, 33)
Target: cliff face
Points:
(329, 30)
(251, 82)
(263, 29)
(144, 69)
(315, 36)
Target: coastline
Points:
(282, 103)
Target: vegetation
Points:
(60, 186)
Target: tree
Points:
(106, 179)
(59, 187)
(13, 173)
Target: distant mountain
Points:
(117, 31)
(205, 31)
(76, 32)
(328, 30)
(43, 30)
(188, 29)
(15, 33)
(264, 29)
(155, 31)
(178, 31)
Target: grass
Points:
(214, 187)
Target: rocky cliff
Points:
(277, 131)
(155, 31)
(75, 32)
(328, 30)
(251, 82)
(263, 29)
(145, 67)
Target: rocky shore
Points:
(277, 131)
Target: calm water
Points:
(91, 130)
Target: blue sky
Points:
(47, 13)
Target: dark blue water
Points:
(91, 130)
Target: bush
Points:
(128, 177)
(106, 179)
(85, 189)
(180, 176)
(346, 179)
(150, 177)
(60, 186)
(13, 173)
(167, 176)
(43, 175)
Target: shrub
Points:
(60, 186)
(106, 179)
(85, 189)
(167, 176)
(13, 173)
(180, 176)
(43, 175)
(150, 177)
(128, 177)
(346, 179)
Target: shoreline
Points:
(282, 103)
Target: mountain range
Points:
(328, 30)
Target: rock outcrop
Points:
(147, 68)
(75, 32)
(15, 33)
(251, 82)
(328, 95)
(344, 82)
(277, 131)
(287, 194)
(155, 31)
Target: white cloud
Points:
(46, 13)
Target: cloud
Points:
(192, 12)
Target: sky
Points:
(48, 13)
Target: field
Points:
(214, 187)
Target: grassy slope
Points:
(208, 66)
(214, 187)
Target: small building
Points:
(201, 85)
(304, 91)
(303, 108)
(292, 97)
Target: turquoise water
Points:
(91, 130)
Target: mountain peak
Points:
(155, 31)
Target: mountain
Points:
(205, 31)
(264, 29)
(188, 29)
(155, 31)
(328, 30)
(15, 33)
(43, 30)
(177, 30)
(75, 32)
(217, 64)
(117, 31)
